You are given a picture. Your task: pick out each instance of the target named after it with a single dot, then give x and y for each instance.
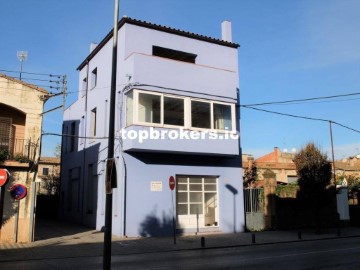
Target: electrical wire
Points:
(33, 73)
(301, 100)
(302, 117)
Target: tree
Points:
(57, 152)
(250, 175)
(317, 201)
(313, 169)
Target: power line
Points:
(300, 100)
(33, 73)
(285, 114)
(42, 80)
(302, 117)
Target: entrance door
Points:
(197, 201)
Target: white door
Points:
(197, 205)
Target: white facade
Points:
(161, 94)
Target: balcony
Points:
(163, 140)
(16, 152)
(153, 70)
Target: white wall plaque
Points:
(156, 186)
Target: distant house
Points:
(280, 163)
(348, 166)
(49, 175)
(168, 81)
(21, 107)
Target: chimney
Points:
(93, 45)
(226, 31)
(276, 152)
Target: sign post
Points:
(172, 186)
(3, 180)
(18, 192)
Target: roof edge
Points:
(24, 83)
(159, 28)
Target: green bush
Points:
(21, 159)
(4, 154)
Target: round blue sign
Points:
(18, 191)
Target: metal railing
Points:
(17, 147)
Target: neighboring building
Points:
(21, 107)
(280, 163)
(348, 166)
(49, 175)
(168, 81)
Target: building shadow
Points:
(315, 209)
(234, 191)
(154, 226)
(50, 228)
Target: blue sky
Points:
(289, 50)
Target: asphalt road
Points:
(343, 253)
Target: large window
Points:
(197, 200)
(149, 108)
(222, 116)
(173, 111)
(157, 109)
(200, 114)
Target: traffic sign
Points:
(3, 177)
(172, 182)
(18, 191)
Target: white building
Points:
(181, 89)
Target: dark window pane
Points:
(173, 111)
(200, 114)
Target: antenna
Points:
(22, 56)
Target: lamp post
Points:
(22, 56)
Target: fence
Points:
(254, 202)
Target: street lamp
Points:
(22, 56)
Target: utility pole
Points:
(332, 153)
(110, 157)
(64, 89)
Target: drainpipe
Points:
(33, 183)
(84, 148)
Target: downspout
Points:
(33, 183)
(123, 160)
(84, 148)
(238, 116)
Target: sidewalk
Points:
(60, 240)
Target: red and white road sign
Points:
(3, 177)
(172, 182)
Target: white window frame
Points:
(136, 109)
(187, 112)
(94, 77)
(84, 86)
(203, 192)
(93, 124)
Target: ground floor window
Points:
(197, 201)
